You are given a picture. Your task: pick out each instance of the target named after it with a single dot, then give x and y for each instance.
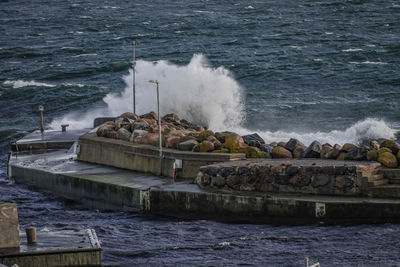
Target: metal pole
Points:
(159, 122)
(159, 126)
(133, 76)
(41, 109)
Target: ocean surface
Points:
(313, 70)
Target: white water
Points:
(207, 96)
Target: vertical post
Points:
(31, 235)
(133, 76)
(41, 109)
(159, 126)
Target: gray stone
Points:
(233, 180)
(253, 140)
(357, 153)
(321, 180)
(267, 148)
(313, 151)
(292, 144)
(218, 181)
(188, 145)
(124, 134)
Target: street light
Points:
(159, 122)
(133, 76)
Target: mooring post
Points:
(133, 76)
(41, 109)
(31, 235)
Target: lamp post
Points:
(159, 122)
(133, 76)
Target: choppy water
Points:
(326, 70)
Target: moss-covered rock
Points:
(204, 135)
(372, 155)
(280, 153)
(234, 142)
(392, 145)
(298, 151)
(253, 152)
(206, 146)
(341, 156)
(388, 159)
(383, 150)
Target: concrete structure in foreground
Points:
(56, 248)
(111, 188)
(9, 230)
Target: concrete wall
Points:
(9, 230)
(145, 158)
(295, 176)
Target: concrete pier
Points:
(104, 187)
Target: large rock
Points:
(222, 135)
(206, 146)
(298, 151)
(140, 125)
(325, 151)
(357, 153)
(137, 135)
(204, 135)
(374, 145)
(388, 159)
(372, 155)
(346, 147)
(150, 139)
(124, 134)
(172, 118)
(253, 140)
(172, 141)
(129, 116)
(187, 145)
(103, 129)
(151, 116)
(398, 156)
(217, 144)
(392, 145)
(280, 152)
(313, 150)
(112, 134)
(233, 142)
(292, 144)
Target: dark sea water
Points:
(326, 70)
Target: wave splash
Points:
(207, 96)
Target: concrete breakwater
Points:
(186, 136)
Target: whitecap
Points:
(249, 7)
(85, 55)
(352, 50)
(22, 83)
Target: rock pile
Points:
(183, 135)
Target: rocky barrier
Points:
(186, 136)
(319, 177)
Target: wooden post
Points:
(41, 109)
(31, 235)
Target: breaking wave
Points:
(210, 97)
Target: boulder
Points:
(398, 156)
(372, 155)
(374, 145)
(204, 135)
(123, 134)
(292, 144)
(282, 144)
(357, 153)
(172, 141)
(313, 150)
(392, 145)
(111, 134)
(298, 151)
(196, 148)
(383, 150)
(103, 129)
(346, 147)
(151, 116)
(253, 152)
(129, 116)
(150, 139)
(187, 145)
(233, 142)
(280, 152)
(388, 159)
(172, 118)
(325, 151)
(341, 156)
(140, 125)
(215, 141)
(267, 148)
(206, 146)
(253, 140)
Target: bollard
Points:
(31, 235)
(64, 127)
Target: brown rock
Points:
(280, 152)
(172, 118)
(204, 135)
(172, 141)
(150, 139)
(392, 145)
(341, 156)
(221, 136)
(151, 116)
(129, 116)
(298, 151)
(347, 147)
(215, 141)
(103, 129)
(206, 146)
(372, 155)
(234, 143)
(325, 151)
